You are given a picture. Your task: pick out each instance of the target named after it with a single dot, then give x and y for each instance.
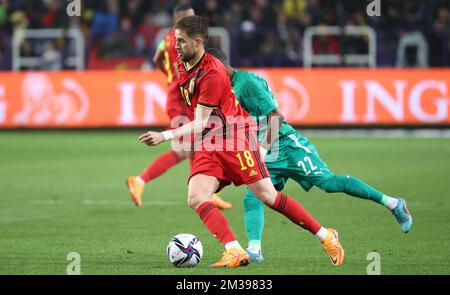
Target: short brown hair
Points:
(194, 26)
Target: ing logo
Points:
(45, 101)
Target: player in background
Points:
(165, 59)
(219, 161)
(290, 155)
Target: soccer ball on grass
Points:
(185, 250)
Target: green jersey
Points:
(255, 96)
(293, 156)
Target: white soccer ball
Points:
(185, 250)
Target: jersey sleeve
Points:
(211, 89)
(261, 97)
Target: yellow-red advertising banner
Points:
(305, 97)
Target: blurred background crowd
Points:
(268, 33)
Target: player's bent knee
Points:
(264, 191)
(195, 201)
(326, 187)
(267, 197)
(201, 188)
(333, 184)
(180, 149)
(181, 154)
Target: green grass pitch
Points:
(64, 192)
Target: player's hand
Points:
(151, 138)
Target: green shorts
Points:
(295, 157)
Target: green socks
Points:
(253, 217)
(351, 186)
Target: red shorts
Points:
(175, 104)
(228, 167)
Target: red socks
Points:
(215, 222)
(160, 165)
(295, 212)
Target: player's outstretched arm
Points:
(202, 114)
(196, 126)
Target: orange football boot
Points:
(333, 247)
(136, 189)
(233, 258)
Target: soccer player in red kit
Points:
(165, 59)
(207, 91)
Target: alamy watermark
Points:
(374, 267)
(74, 267)
(373, 8)
(73, 8)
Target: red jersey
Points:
(175, 105)
(207, 84)
(236, 158)
(170, 56)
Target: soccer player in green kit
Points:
(290, 155)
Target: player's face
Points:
(185, 46)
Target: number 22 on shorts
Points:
(302, 164)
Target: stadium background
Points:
(62, 190)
